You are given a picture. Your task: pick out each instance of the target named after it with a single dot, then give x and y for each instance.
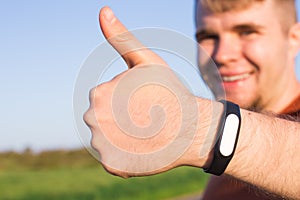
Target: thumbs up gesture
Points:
(144, 121)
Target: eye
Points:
(247, 32)
(204, 38)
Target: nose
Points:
(227, 50)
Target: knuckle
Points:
(90, 119)
(94, 144)
(98, 91)
(92, 94)
(115, 172)
(87, 117)
(96, 99)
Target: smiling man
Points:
(254, 44)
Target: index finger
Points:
(130, 48)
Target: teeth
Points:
(235, 78)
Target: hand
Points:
(144, 121)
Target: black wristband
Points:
(226, 138)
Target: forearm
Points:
(267, 154)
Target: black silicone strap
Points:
(219, 161)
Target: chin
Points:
(244, 101)
(241, 101)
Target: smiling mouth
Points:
(239, 77)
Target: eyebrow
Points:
(204, 32)
(247, 26)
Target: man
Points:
(253, 45)
(267, 152)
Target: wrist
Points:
(245, 143)
(226, 139)
(200, 152)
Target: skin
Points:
(243, 44)
(255, 159)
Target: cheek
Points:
(269, 54)
(209, 70)
(269, 64)
(263, 61)
(205, 62)
(256, 53)
(205, 52)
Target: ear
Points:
(294, 37)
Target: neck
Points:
(283, 100)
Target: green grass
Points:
(75, 175)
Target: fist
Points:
(144, 121)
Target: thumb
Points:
(131, 49)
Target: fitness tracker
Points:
(226, 139)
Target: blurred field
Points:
(76, 174)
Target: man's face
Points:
(251, 51)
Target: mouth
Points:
(234, 78)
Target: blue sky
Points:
(42, 47)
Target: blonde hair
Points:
(286, 7)
(216, 6)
